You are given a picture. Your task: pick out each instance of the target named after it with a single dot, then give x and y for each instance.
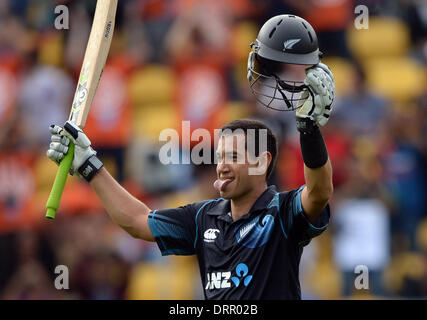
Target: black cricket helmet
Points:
(283, 39)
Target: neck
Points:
(241, 205)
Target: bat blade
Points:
(94, 60)
(93, 64)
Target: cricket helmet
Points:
(282, 40)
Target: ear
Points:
(261, 166)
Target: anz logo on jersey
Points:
(221, 280)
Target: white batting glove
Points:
(316, 102)
(58, 147)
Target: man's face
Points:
(234, 167)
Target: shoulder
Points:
(198, 206)
(286, 198)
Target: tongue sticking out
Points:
(220, 185)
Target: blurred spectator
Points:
(30, 280)
(421, 114)
(151, 20)
(415, 15)
(404, 167)
(147, 170)
(197, 46)
(291, 168)
(8, 96)
(44, 97)
(361, 224)
(86, 244)
(361, 112)
(17, 183)
(102, 276)
(330, 19)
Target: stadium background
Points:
(186, 60)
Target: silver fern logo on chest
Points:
(256, 232)
(245, 230)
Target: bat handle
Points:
(52, 203)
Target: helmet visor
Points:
(269, 89)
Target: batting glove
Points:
(58, 147)
(316, 100)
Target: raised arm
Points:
(123, 208)
(316, 110)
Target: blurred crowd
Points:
(175, 60)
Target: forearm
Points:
(317, 173)
(319, 184)
(123, 208)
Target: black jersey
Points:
(255, 257)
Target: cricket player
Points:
(249, 241)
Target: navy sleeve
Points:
(175, 229)
(298, 225)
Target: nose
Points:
(222, 168)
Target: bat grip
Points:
(52, 203)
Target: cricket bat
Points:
(90, 74)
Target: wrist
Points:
(306, 125)
(90, 167)
(313, 148)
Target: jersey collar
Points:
(263, 201)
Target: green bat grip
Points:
(52, 203)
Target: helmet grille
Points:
(271, 91)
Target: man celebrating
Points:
(248, 242)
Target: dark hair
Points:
(245, 124)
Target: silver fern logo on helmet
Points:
(289, 44)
